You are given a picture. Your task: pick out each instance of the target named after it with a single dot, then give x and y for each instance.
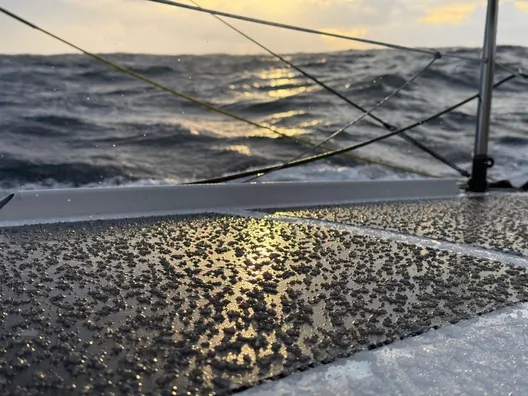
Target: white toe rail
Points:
(62, 205)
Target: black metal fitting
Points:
(479, 178)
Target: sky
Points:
(139, 26)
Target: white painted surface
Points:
(45, 206)
(481, 356)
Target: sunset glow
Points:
(140, 26)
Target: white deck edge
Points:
(98, 203)
(448, 353)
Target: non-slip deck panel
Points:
(213, 304)
(492, 222)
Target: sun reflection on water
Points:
(285, 81)
(254, 92)
(281, 73)
(239, 148)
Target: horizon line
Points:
(440, 49)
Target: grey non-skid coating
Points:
(498, 222)
(218, 303)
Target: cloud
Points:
(142, 26)
(522, 5)
(450, 14)
(335, 44)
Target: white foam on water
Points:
(317, 172)
(311, 172)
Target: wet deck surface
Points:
(480, 356)
(218, 303)
(493, 222)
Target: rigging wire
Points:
(386, 125)
(208, 106)
(358, 119)
(349, 148)
(360, 108)
(513, 72)
(307, 30)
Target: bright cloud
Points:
(450, 14)
(522, 5)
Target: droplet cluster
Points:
(214, 304)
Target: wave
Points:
(58, 120)
(514, 141)
(319, 172)
(14, 171)
(68, 119)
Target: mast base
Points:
(479, 181)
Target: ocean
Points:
(69, 121)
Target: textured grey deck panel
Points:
(213, 304)
(492, 222)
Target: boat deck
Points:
(221, 302)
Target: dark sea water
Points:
(67, 120)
